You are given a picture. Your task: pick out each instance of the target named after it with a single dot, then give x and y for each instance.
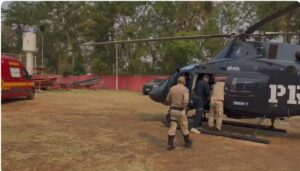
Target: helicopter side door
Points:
(244, 95)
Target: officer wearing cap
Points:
(217, 103)
(202, 93)
(178, 99)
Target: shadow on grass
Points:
(152, 117)
(7, 101)
(266, 134)
(153, 140)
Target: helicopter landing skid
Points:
(234, 136)
(249, 125)
(252, 137)
(166, 121)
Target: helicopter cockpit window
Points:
(238, 51)
(260, 51)
(222, 53)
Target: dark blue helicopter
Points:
(263, 78)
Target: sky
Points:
(5, 4)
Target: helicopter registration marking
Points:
(237, 103)
(233, 68)
(281, 90)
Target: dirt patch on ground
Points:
(108, 130)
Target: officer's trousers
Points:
(178, 118)
(216, 113)
(198, 104)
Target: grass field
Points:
(109, 130)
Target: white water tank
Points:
(29, 42)
(29, 46)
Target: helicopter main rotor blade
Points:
(272, 34)
(283, 34)
(272, 17)
(162, 39)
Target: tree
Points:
(69, 24)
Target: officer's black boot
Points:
(170, 142)
(188, 142)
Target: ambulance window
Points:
(15, 72)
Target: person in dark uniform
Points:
(187, 80)
(202, 93)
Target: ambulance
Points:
(15, 80)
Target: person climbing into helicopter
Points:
(202, 93)
(187, 80)
(217, 103)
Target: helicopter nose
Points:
(157, 94)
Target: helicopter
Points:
(262, 78)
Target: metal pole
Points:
(117, 77)
(20, 57)
(42, 52)
(34, 69)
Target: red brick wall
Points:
(126, 82)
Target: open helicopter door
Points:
(245, 95)
(195, 79)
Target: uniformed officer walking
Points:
(178, 99)
(217, 103)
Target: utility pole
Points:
(42, 29)
(35, 65)
(42, 52)
(117, 76)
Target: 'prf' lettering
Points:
(280, 90)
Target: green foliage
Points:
(79, 69)
(99, 66)
(68, 24)
(284, 23)
(67, 72)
